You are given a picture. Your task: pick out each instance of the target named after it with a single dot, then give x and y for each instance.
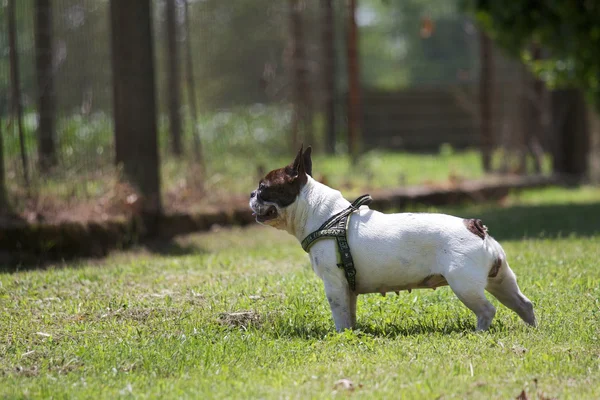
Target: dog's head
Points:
(279, 189)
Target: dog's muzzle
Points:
(262, 212)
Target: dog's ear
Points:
(299, 167)
(298, 162)
(307, 160)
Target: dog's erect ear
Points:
(299, 167)
(298, 162)
(307, 160)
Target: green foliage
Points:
(568, 30)
(394, 52)
(146, 325)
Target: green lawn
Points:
(157, 322)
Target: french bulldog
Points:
(391, 252)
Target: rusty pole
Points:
(354, 106)
(485, 100)
(328, 73)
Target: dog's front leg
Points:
(343, 305)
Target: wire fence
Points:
(419, 68)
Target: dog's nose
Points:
(253, 194)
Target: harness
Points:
(336, 227)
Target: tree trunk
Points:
(301, 123)
(538, 110)
(328, 73)
(45, 85)
(17, 108)
(191, 86)
(486, 85)
(3, 191)
(525, 118)
(174, 83)
(571, 135)
(594, 154)
(354, 106)
(134, 100)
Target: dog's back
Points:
(409, 247)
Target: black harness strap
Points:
(336, 227)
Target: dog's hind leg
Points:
(469, 288)
(504, 287)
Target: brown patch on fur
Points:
(432, 281)
(476, 227)
(495, 268)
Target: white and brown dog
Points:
(391, 252)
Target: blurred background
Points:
(114, 107)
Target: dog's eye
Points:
(261, 186)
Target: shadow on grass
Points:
(426, 326)
(11, 262)
(505, 223)
(549, 221)
(390, 331)
(303, 332)
(171, 247)
(423, 326)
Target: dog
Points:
(389, 252)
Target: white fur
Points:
(395, 252)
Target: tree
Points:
(3, 196)
(532, 105)
(568, 31)
(45, 84)
(134, 100)
(301, 118)
(17, 106)
(571, 139)
(328, 73)
(174, 83)
(354, 110)
(191, 89)
(486, 86)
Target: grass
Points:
(160, 322)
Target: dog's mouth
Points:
(266, 214)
